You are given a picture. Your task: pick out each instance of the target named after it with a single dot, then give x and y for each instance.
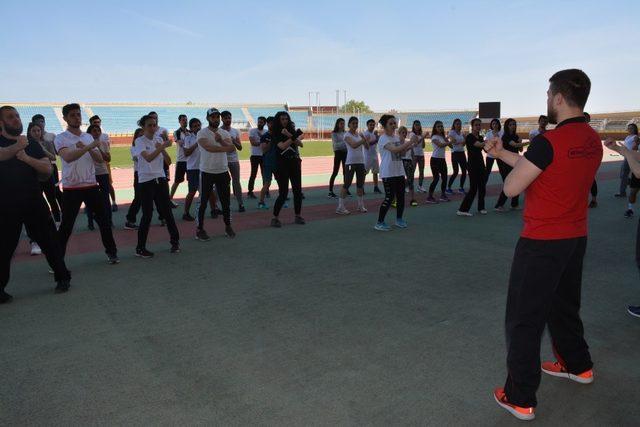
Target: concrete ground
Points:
(330, 323)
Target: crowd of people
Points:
(545, 281)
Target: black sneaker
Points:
(202, 235)
(175, 248)
(251, 195)
(214, 214)
(187, 217)
(620, 195)
(130, 226)
(332, 195)
(241, 209)
(275, 222)
(113, 259)
(62, 286)
(349, 194)
(144, 253)
(377, 190)
(300, 220)
(114, 207)
(229, 232)
(634, 310)
(5, 297)
(163, 223)
(90, 226)
(173, 204)
(628, 213)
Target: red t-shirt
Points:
(556, 202)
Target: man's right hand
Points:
(22, 142)
(218, 138)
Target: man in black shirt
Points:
(21, 163)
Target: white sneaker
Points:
(483, 212)
(460, 213)
(35, 249)
(342, 211)
(362, 209)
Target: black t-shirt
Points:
(506, 139)
(18, 180)
(475, 153)
(540, 152)
(290, 152)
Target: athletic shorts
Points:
(357, 170)
(181, 170)
(633, 181)
(193, 179)
(372, 164)
(408, 171)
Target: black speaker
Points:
(489, 110)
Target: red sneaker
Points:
(525, 414)
(556, 369)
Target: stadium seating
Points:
(28, 111)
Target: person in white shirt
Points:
(192, 154)
(50, 150)
(104, 138)
(438, 163)
(79, 151)
(626, 177)
(256, 160)
(164, 134)
(232, 158)
(372, 164)
(150, 150)
(102, 173)
(495, 131)
(407, 164)
(356, 144)
(458, 157)
(543, 122)
(214, 144)
(339, 153)
(181, 162)
(134, 207)
(418, 152)
(391, 171)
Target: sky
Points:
(403, 55)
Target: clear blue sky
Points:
(391, 54)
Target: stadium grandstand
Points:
(121, 119)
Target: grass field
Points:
(330, 323)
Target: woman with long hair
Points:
(511, 142)
(391, 171)
(495, 131)
(35, 133)
(356, 143)
(339, 153)
(458, 156)
(477, 171)
(418, 152)
(287, 140)
(438, 162)
(407, 164)
(132, 213)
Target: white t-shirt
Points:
(213, 162)
(354, 155)
(408, 155)
(148, 170)
(134, 158)
(337, 140)
(183, 134)
(105, 146)
(629, 141)
(232, 157)
(458, 137)
(492, 134)
(390, 163)
(418, 150)
(256, 133)
(438, 152)
(372, 152)
(193, 161)
(80, 173)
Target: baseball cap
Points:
(211, 111)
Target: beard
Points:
(552, 115)
(14, 131)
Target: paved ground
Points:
(329, 323)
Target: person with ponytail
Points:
(438, 163)
(339, 153)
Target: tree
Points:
(353, 106)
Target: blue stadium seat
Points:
(28, 111)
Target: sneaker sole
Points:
(569, 376)
(633, 314)
(202, 240)
(381, 229)
(343, 213)
(518, 415)
(144, 256)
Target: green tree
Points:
(353, 106)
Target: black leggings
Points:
(505, 170)
(222, 182)
(458, 160)
(439, 171)
(393, 189)
(478, 178)
(594, 189)
(490, 161)
(49, 190)
(256, 162)
(289, 170)
(149, 192)
(339, 157)
(105, 186)
(418, 163)
(134, 208)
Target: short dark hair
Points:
(542, 116)
(573, 84)
(92, 127)
(587, 116)
(193, 121)
(181, 116)
(143, 120)
(270, 119)
(37, 117)
(6, 108)
(473, 121)
(262, 118)
(225, 113)
(69, 108)
(634, 128)
(94, 117)
(384, 119)
(152, 113)
(370, 121)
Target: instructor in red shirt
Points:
(556, 174)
